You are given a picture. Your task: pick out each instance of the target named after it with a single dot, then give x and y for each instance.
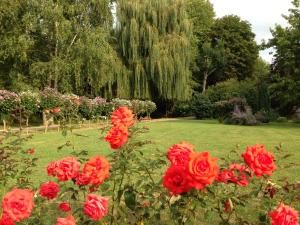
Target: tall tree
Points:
(240, 47)
(205, 60)
(285, 88)
(63, 44)
(211, 58)
(154, 38)
(15, 43)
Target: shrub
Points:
(86, 109)
(49, 99)
(262, 116)
(281, 119)
(224, 109)
(101, 107)
(254, 91)
(201, 106)
(150, 107)
(225, 90)
(182, 109)
(239, 117)
(138, 107)
(29, 103)
(8, 101)
(196, 186)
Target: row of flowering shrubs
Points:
(127, 186)
(70, 106)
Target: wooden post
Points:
(4, 125)
(27, 125)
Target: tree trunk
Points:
(56, 55)
(204, 82)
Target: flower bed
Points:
(130, 187)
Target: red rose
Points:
(18, 204)
(82, 179)
(225, 176)
(97, 169)
(235, 174)
(284, 215)
(176, 180)
(49, 190)
(179, 154)
(65, 207)
(117, 136)
(95, 207)
(202, 169)
(259, 160)
(122, 116)
(240, 177)
(31, 151)
(6, 220)
(66, 221)
(65, 169)
(56, 110)
(52, 167)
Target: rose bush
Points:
(181, 186)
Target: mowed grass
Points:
(208, 135)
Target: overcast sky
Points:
(262, 14)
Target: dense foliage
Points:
(158, 50)
(181, 186)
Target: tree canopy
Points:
(154, 39)
(241, 49)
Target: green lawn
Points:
(205, 135)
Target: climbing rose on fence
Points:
(97, 169)
(117, 136)
(284, 215)
(179, 154)
(49, 190)
(96, 206)
(18, 204)
(69, 220)
(65, 169)
(122, 117)
(202, 169)
(260, 161)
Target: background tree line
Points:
(165, 51)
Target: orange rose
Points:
(65, 169)
(95, 207)
(202, 169)
(97, 169)
(260, 161)
(122, 116)
(117, 136)
(179, 154)
(18, 204)
(69, 220)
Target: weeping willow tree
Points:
(154, 39)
